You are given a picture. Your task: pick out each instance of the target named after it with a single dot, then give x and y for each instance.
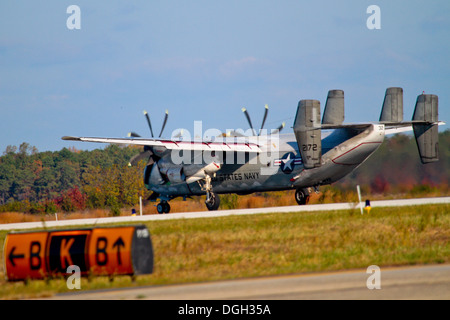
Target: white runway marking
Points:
(220, 213)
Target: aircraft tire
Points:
(214, 203)
(163, 207)
(166, 207)
(302, 196)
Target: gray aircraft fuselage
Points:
(343, 150)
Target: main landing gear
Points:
(302, 196)
(163, 207)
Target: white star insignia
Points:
(288, 162)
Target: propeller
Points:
(135, 135)
(248, 118)
(164, 123)
(266, 111)
(179, 135)
(279, 128)
(140, 156)
(148, 121)
(264, 118)
(147, 153)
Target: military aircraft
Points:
(318, 152)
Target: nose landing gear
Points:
(212, 200)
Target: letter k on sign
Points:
(66, 260)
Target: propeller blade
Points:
(232, 133)
(133, 135)
(148, 121)
(164, 123)
(150, 161)
(248, 118)
(279, 128)
(264, 118)
(179, 135)
(135, 159)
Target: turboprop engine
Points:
(165, 171)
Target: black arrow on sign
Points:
(13, 256)
(117, 244)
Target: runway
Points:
(405, 282)
(412, 282)
(221, 213)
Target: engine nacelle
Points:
(197, 172)
(174, 174)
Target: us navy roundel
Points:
(288, 162)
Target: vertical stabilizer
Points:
(427, 133)
(334, 108)
(392, 106)
(307, 131)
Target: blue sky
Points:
(205, 60)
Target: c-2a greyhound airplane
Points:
(319, 152)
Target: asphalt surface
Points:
(429, 282)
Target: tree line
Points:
(72, 180)
(69, 180)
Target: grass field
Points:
(192, 250)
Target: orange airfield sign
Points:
(97, 251)
(25, 256)
(66, 248)
(110, 251)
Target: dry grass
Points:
(328, 194)
(191, 250)
(229, 201)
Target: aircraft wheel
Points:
(166, 207)
(214, 202)
(160, 207)
(302, 196)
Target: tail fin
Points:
(307, 131)
(424, 123)
(334, 108)
(426, 133)
(392, 106)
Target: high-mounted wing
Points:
(225, 145)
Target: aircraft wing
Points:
(234, 146)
